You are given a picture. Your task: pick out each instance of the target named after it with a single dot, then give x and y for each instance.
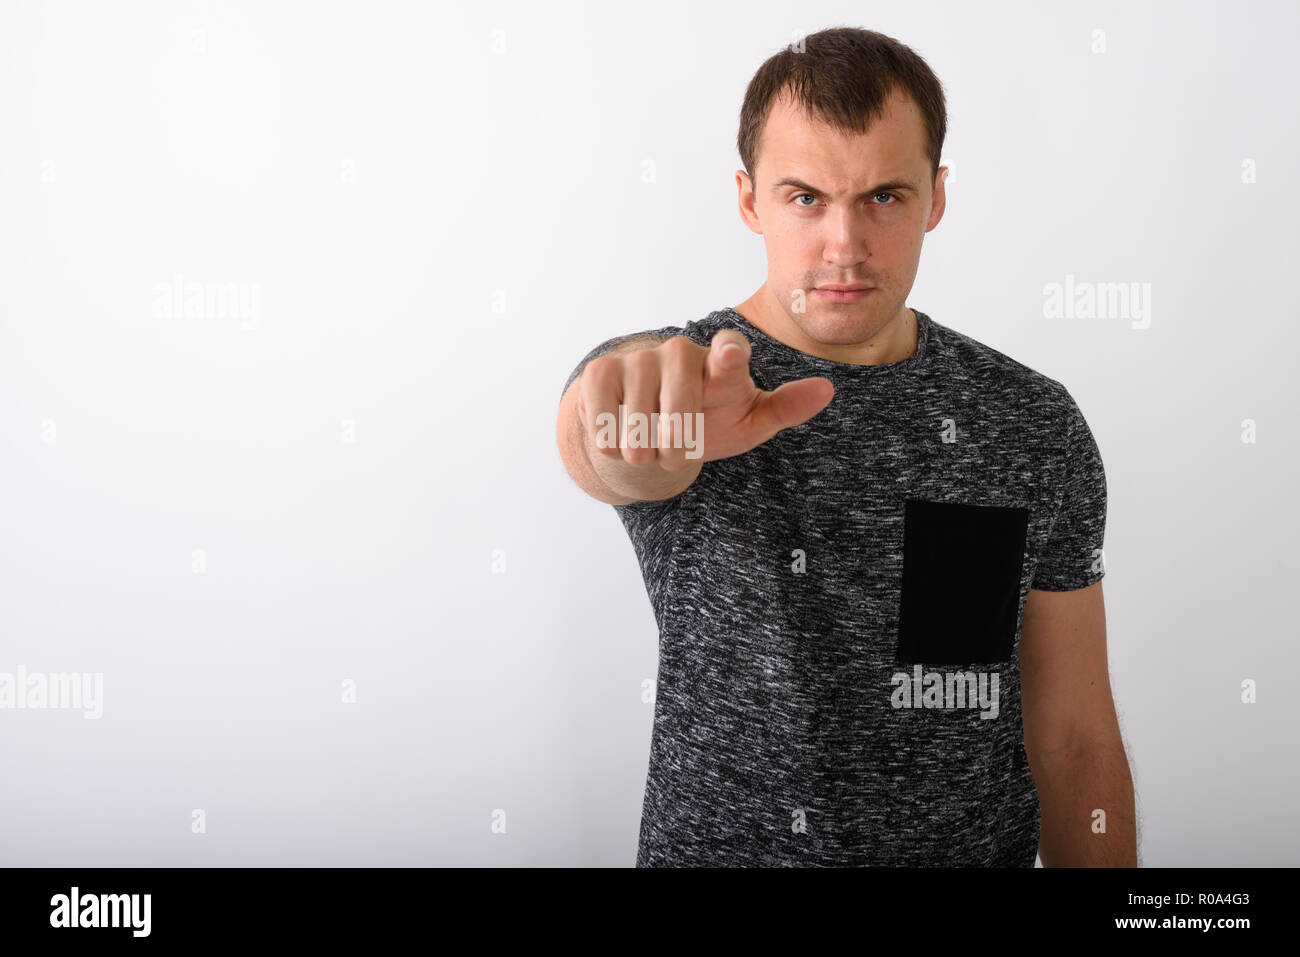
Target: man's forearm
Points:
(1072, 789)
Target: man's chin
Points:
(836, 331)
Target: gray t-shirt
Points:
(839, 612)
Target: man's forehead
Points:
(798, 145)
(840, 166)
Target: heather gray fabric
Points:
(897, 532)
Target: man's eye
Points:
(814, 198)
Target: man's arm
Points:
(1072, 735)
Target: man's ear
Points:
(747, 202)
(939, 200)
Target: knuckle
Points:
(678, 347)
(600, 371)
(640, 359)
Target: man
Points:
(877, 577)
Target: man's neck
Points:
(895, 341)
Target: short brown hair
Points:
(843, 77)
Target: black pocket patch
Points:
(961, 582)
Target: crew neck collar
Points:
(819, 364)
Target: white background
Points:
(443, 209)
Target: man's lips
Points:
(836, 292)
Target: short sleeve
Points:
(1073, 557)
(667, 332)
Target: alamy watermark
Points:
(179, 299)
(102, 910)
(1098, 300)
(946, 689)
(639, 430)
(63, 690)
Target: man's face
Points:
(842, 208)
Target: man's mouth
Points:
(843, 292)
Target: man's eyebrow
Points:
(898, 184)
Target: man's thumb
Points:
(791, 404)
(729, 353)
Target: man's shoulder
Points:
(700, 331)
(703, 330)
(995, 371)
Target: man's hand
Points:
(709, 384)
(680, 376)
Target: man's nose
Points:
(846, 240)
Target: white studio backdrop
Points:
(314, 534)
